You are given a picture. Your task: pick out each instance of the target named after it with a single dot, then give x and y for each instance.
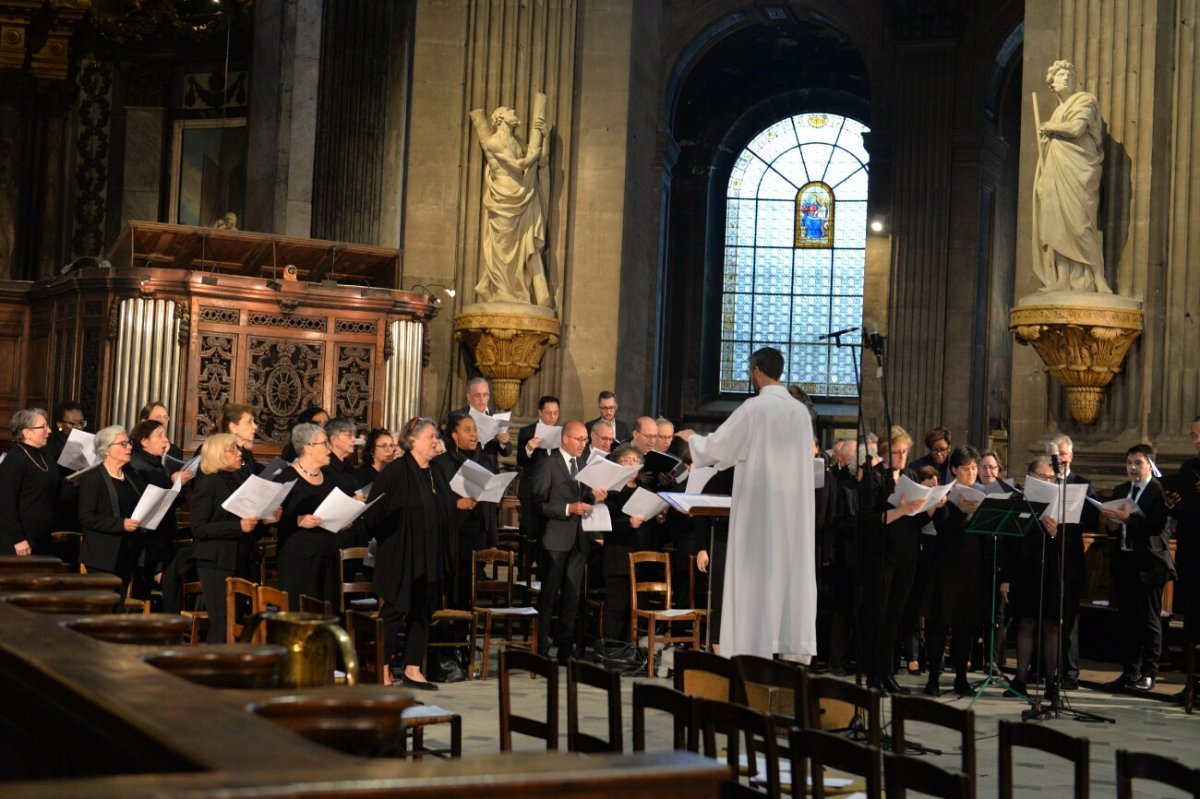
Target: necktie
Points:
(1126, 546)
(574, 468)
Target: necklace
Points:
(29, 455)
(432, 487)
(304, 471)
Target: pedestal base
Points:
(508, 340)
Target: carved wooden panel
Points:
(64, 365)
(284, 377)
(222, 316)
(353, 395)
(289, 321)
(214, 385)
(89, 369)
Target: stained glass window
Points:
(795, 250)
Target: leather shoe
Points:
(418, 684)
(962, 687)
(1017, 688)
(1144, 683)
(890, 685)
(1121, 682)
(932, 688)
(1070, 683)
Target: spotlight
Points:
(430, 294)
(877, 226)
(274, 285)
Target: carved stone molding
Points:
(508, 345)
(1083, 348)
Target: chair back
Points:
(366, 637)
(1154, 768)
(539, 665)
(496, 588)
(908, 709)
(776, 686)
(268, 598)
(841, 706)
(814, 750)
(739, 723)
(349, 586)
(581, 672)
(65, 544)
(653, 593)
(648, 696)
(310, 604)
(902, 773)
(1044, 739)
(704, 675)
(240, 599)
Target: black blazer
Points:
(1148, 534)
(30, 489)
(492, 450)
(554, 489)
(100, 518)
(523, 438)
(218, 533)
(621, 430)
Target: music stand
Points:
(709, 511)
(1001, 518)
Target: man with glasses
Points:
(602, 437)
(666, 432)
(607, 404)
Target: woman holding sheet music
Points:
(307, 553)
(108, 495)
(150, 444)
(30, 484)
(470, 521)
(413, 524)
(958, 598)
(223, 541)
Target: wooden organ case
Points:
(196, 317)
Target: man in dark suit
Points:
(1187, 547)
(1074, 570)
(562, 502)
(479, 393)
(1141, 567)
(607, 403)
(529, 452)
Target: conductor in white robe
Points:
(770, 595)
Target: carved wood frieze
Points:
(284, 376)
(353, 395)
(214, 383)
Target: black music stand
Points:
(1001, 518)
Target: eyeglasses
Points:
(576, 438)
(322, 443)
(386, 446)
(233, 451)
(125, 443)
(940, 450)
(81, 424)
(39, 427)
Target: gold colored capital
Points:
(508, 347)
(1083, 347)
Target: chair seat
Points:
(450, 614)
(683, 614)
(364, 604)
(508, 611)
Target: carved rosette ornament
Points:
(508, 341)
(1083, 347)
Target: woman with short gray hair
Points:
(30, 485)
(108, 495)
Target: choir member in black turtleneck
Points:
(30, 484)
(150, 444)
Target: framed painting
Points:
(208, 172)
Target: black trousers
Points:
(317, 577)
(885, 592)
(1140, 610)
(561, 585)
(422, 599)
(616, 607)
(212, 579)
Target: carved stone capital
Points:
(508, 344)
(1083, 347)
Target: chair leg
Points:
(650, 630)
(487, 644)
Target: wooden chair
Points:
(538, 666)
(656, 607)
(268, 598)
(310, 604)
(366, 636)
(582, 673)
(447, 617)
(193, 593)
(65, 544)
(908, 709)
(412, 736)
(492, 601)
(1042, 738)
(900, 774)
(704, 675)
(775, 686)
(355, 592)
(1154, 768)
(738, 722)
(648, 696)
(813, 750)
(237, 587)
(266, 553)
(841, 706)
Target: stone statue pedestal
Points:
(508, 340)
(1082, 338)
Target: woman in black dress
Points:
(413, 525)
(108, 496)
(150, 444)
(958, 598)
(462, 445)
(30, 484)
(308, 553)
(223, 541)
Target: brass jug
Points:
(309, 639)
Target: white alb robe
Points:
(770, 598)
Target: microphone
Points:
(874, 341)
(835, 334)
(1052, 451)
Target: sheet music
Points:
(479, 483)
(598, 519)
(550, 436)
(257, 498)
(1117, 504)
(698, 477)
(818, 472)
(974, 495)
(339, 510)
(908, 489)
(686, 502)
(79, 452)
(490, 426)
(596, 455)
(1044, 491)
(154, 504)
(606, 474)
(273, 468)
(644, 503)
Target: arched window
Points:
(795, 249)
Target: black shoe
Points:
(932, 688)
(419, 685)
(1144, 683)
(1017, 688)
(1121, 683)
(1052, 695)
(1070, 683)
(890, 685)
(563, 656)
(961, 686)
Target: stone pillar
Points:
(1122, 50)
(283, 116)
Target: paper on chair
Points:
(606, 474)
(479, 483)
(79, 452)
(490, 426)
(154, 504)
(1044, 491)
(339, 510)
(698, 477)
(598, 519)
(645, 504)
(257, 498)
(549, 436)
